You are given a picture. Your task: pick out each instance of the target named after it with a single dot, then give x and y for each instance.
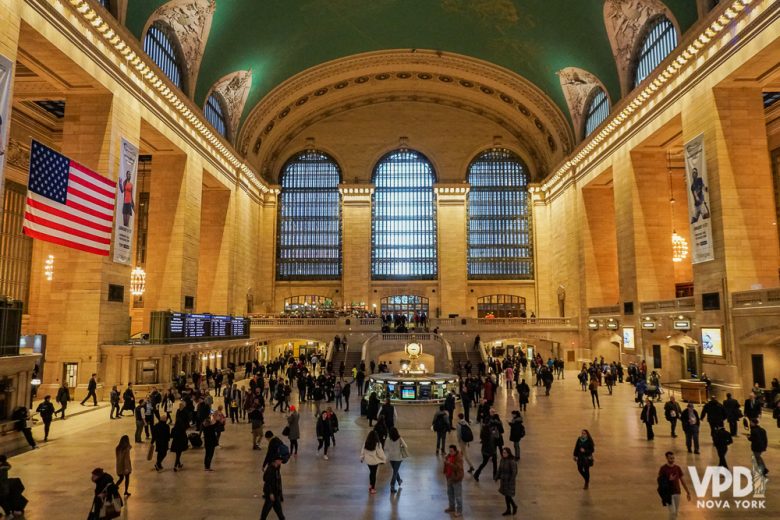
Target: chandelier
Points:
(679, 248)
(48, 268)
(137, 281)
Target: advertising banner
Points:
(6, 77)
(698, 201)
(125, 203)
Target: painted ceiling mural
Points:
(277, 39)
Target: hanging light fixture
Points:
(679, 244)
(48, 268)
(137, 281)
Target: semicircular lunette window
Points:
(659, 41)
(159, 46)
(403, 223)
(309, 224)
(215, 114)
(598, 110)
(499, 218)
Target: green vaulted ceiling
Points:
(279, 38)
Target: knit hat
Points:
(292, 408)
(98, 471)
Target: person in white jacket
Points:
(396, 452)
(373, 455)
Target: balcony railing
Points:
(608, 310)
(444, 324)
(757, 298)
(678, 304)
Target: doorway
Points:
(692, 360)
(70, 373)
(757, 362)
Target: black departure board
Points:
(177, 327)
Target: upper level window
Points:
(659, 41)
(499, 217)
(309, 226)
(215, 114)
(159, 46)
(403, 224)
(598, 110)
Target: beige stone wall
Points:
(599, 246)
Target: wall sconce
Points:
(204, 358)
(137, 281)
(48, 268)
(612, 324)
(682, 323)
(648, 323)
(212, 356)
(219, 354)
(593, 324)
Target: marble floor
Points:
(623, 484)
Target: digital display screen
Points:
(240, 327)
(181, 326)
(220, 326)
(197, 326)
(176, 325)
(425, 391)
(711, 342)
(408, 392)
(628, 337)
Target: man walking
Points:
(139, 420)
(650, 417)
(733, 413)
(758, 444)
(46, 409)
(594, 392)
(672, 412)
(345, 391)
(715, 414)
(670, 478)
(453, 471)
(114, 403)
(690, 425)
(721, 438)
(63, 396)
(272, 490)
(91, 387)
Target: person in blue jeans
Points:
(441, 425)
(395, 450)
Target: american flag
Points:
(68, 204)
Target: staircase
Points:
(351, 358)
(459, 357)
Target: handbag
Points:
(404, 453)
(590, 460)
(286, 431)
(112, 507)
(150, 452)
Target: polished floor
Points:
(623, 485)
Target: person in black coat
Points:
(345, 391)
(128, 398)
(583, 455)
(752, 407)
(690, 425)
(672, 412)
(161, 437)
(372, 410)
(758, 444)
(46, 409)
(63, 396)
(733, 413)
(714, 413)
(91, 387)
(650, 417)
(272, 490)
(209, 430)
(388, 411)
(324, 433)
(721, 439)
(179, 442)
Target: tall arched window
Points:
(215, 114)
(403, 223)
(309, 226)
(159, 46)
(499, 221)
(659, 41)
(598, 110)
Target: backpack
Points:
(521, 430)
(465, 433)
(441, 423)
(284, 452)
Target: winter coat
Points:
(507, 474)
(292, 422)
(372, 458)
(393, 449)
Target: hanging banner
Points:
(6, 77)
(698, 201)
(125, 203)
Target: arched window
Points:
(501, 306)
(499, 218)
(598, 110)
(215, 114)
(659, 41)
(403, 223)
(309, 225)
(406, 304)
(159, 46)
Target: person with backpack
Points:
(440, 425)
(114, 399)
(372, 455)
(63, 396)
(465, 436)
(516, 431)
(276, 450)
(453, 472)
(107, 503)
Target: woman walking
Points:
(372, 409)
(179, 436)
(507, 474)
(488, 451)
(123, 465)
(294, 434)
(209, 441)
(583, 455)
(324, 434)
(396, 453)
(525, 392)
(516, 431)
(373, 455)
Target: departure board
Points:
(177, 327)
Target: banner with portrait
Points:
(712, 341)
(628, 338)
(6, 79)
(124, 218)
(699, 212)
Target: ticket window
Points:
(70, 376)
(146, 372)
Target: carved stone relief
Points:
(578, 86)
(18, 154)
(190, 21)
(234, 89)
(625, 20)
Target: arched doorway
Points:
(406, 304)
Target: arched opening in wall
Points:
(162, 46)
(597, 111)
(216, 113)
(404, 305)
(307, 305)
(403, 220)
(659, 40)
(501, 306)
